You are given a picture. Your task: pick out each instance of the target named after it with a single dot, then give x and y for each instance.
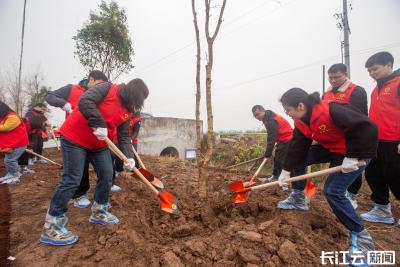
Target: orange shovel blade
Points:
(310, 189)
(239, 198)
(168, 202)
(150, 177)
(236, 187)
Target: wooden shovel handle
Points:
(305, 176)
(42, 157)
(138, 158)
(121, 155)
(261, 166)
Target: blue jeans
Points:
(74, 158)
(334, 191)
(11, 160)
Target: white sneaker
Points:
(115, 188)
(10, 179)
(82, 202)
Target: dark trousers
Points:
(23, 160)
(36, 142)
(316, 154)
(383, 173)
(74, 164)
(279, 157)
(119, 164)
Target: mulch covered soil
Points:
(206, 233)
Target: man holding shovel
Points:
(280, 132)
(67, 98)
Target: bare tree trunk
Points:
(199, 156)
(209, 66)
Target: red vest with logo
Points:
(132, 123)
(14, 138)
(76, 92)
(323, 130)
(285, 131)
(341, 97)
(76, 128)
(385, 110)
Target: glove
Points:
(349, 165)
(130, 164)
(101, 133)
(283, 176)
(67, 108)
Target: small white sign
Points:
(190, 153)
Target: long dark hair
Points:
(4, 110)
(133, 94)
(294, 96)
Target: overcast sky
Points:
(264, 48)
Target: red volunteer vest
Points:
(385, 110)
(285, 131)
(132, 123)
(15, 138)
(76, 92)
(76, 128)
(341, 97)
(323, 130)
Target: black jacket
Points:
(360, 132)
(272, 127)
(58, 98)
(88, 107)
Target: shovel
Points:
(168, 201)
(239, 190)
(149, 176)
(42, 157)
(253, 178)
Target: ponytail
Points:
(294, 96)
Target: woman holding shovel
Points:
(348, 135)
(100, 110)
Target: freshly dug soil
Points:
(213, 232)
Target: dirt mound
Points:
(210, 233)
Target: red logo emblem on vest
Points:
(323, 128)
(342, 95)
(125, 117)
(387, 91)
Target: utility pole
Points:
(346, 33)
(18, 107)
(343, 25)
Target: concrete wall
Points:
(158, 133)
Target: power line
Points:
(149, 66)
(319, 62)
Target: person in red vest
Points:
(67, 98)
(279, 132)
(101, 110)
(36, 135)
(383, 173)
(13, 142)
(345, 91)
(134, 133)
(33, 123)
(348, 135)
